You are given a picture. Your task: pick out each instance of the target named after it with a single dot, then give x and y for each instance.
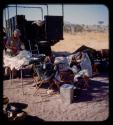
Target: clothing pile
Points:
(70, 72)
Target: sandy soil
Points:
(92, 104)
(72, 42)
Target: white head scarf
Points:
(17, 31)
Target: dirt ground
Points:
(91, 105)
(71, 42)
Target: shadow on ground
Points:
(28, 119)
(97, 91)
(18, 105)
(32, 119)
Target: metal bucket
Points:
(67, 93)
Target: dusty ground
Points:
(92, 104)
(96, 40)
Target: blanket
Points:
(18, 61)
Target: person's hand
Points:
(14, 49)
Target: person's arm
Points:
(9, 46)
(8, 43)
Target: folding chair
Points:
(23, 67)
(43, 76)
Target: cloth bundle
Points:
(18, 61)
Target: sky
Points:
(88, 14)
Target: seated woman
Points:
(14, 43)
(13, 46)
(81, 77)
